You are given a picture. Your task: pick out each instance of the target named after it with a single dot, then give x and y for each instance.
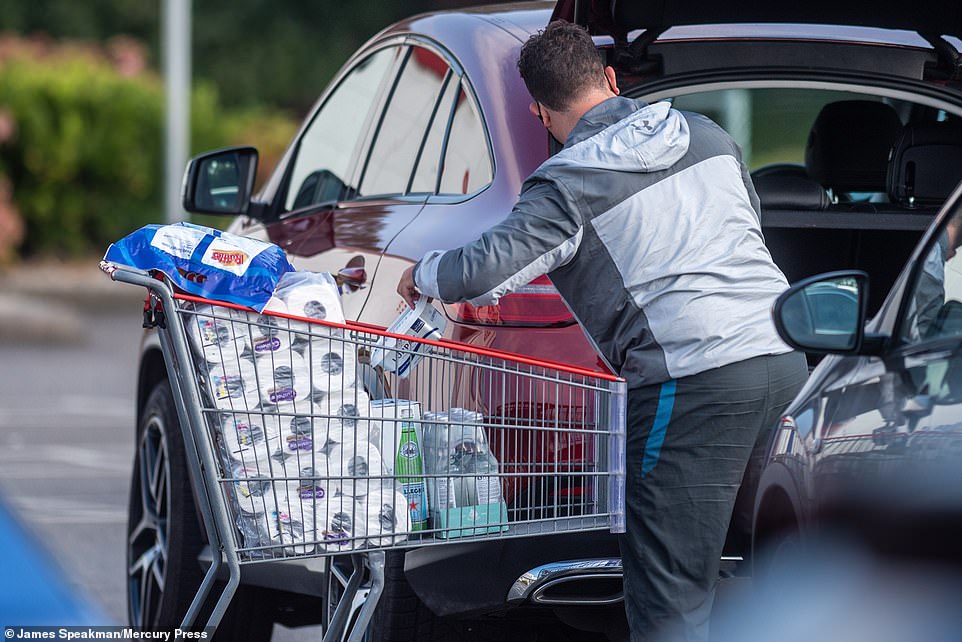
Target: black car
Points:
(872, 447)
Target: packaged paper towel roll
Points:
(269, 336)
(293, 525)
(233, 385)
(348, 412)
(314, 297)
(355, 471)
(303, 432)
(333, 364)
(284, 378)
(248, 436)
(313, 481)
(340, 525)
(348, 434)
(253, 489)
(386, 515)
(214, 335)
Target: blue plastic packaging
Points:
(206, 262)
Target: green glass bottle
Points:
(409, 470)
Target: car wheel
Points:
(778, 558)
(401, 616)
(164, 537)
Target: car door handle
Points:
(352, 278)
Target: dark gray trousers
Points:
(689, 443)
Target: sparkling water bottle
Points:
(409, 470)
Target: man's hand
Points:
(407, 289)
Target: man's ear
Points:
(612, 80)
(541, 113)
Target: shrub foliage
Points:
(83, 146)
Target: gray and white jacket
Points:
(648, 225)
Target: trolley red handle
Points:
(444, 343)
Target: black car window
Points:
(934, 307)
(403, 126)
(331, 142)
(427, 173)
(467, 160)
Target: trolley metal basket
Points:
(298, 446)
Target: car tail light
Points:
(535, 305)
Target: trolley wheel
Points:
(164, 537)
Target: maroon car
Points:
(422, 142)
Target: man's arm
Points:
(541, 234)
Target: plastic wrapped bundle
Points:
(386, 516)
(284, 379)
(254, 489)
(347, 416)
(248, 436)
(302, 432)
(214, 336)
(312, 295)
(312, 482)
(355, 471)
(333, 364)
(340, 525)
(269, 335)
(293, 525)
(233, 385)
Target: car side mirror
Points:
(220, 182)
(824, 313)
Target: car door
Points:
(907, 403)
(347, 186)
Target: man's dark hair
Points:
(559, 63)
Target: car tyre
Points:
(164, 536)
(401, 616)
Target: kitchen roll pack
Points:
(313, 295)
(283, 378)
(215, 333)
(206, 262)
(233, 384)
(387, 519)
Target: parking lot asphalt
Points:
(41, 302)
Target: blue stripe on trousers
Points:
(666, 402)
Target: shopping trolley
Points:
(306, 438)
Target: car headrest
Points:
(849, 143)
(926, 164)
(790, 193)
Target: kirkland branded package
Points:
(206, 262)
(424, 321)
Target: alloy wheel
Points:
(147, 540)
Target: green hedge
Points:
(86, 155)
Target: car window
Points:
(934, 307)
(770, 125)
(332, 140)
(467, 160)
(426, 175)
(403, 126)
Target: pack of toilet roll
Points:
(292, 425)
(259, 361)
(306, 481)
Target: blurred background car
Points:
(34, 591)
(872, 447)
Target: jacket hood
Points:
(649, 139)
